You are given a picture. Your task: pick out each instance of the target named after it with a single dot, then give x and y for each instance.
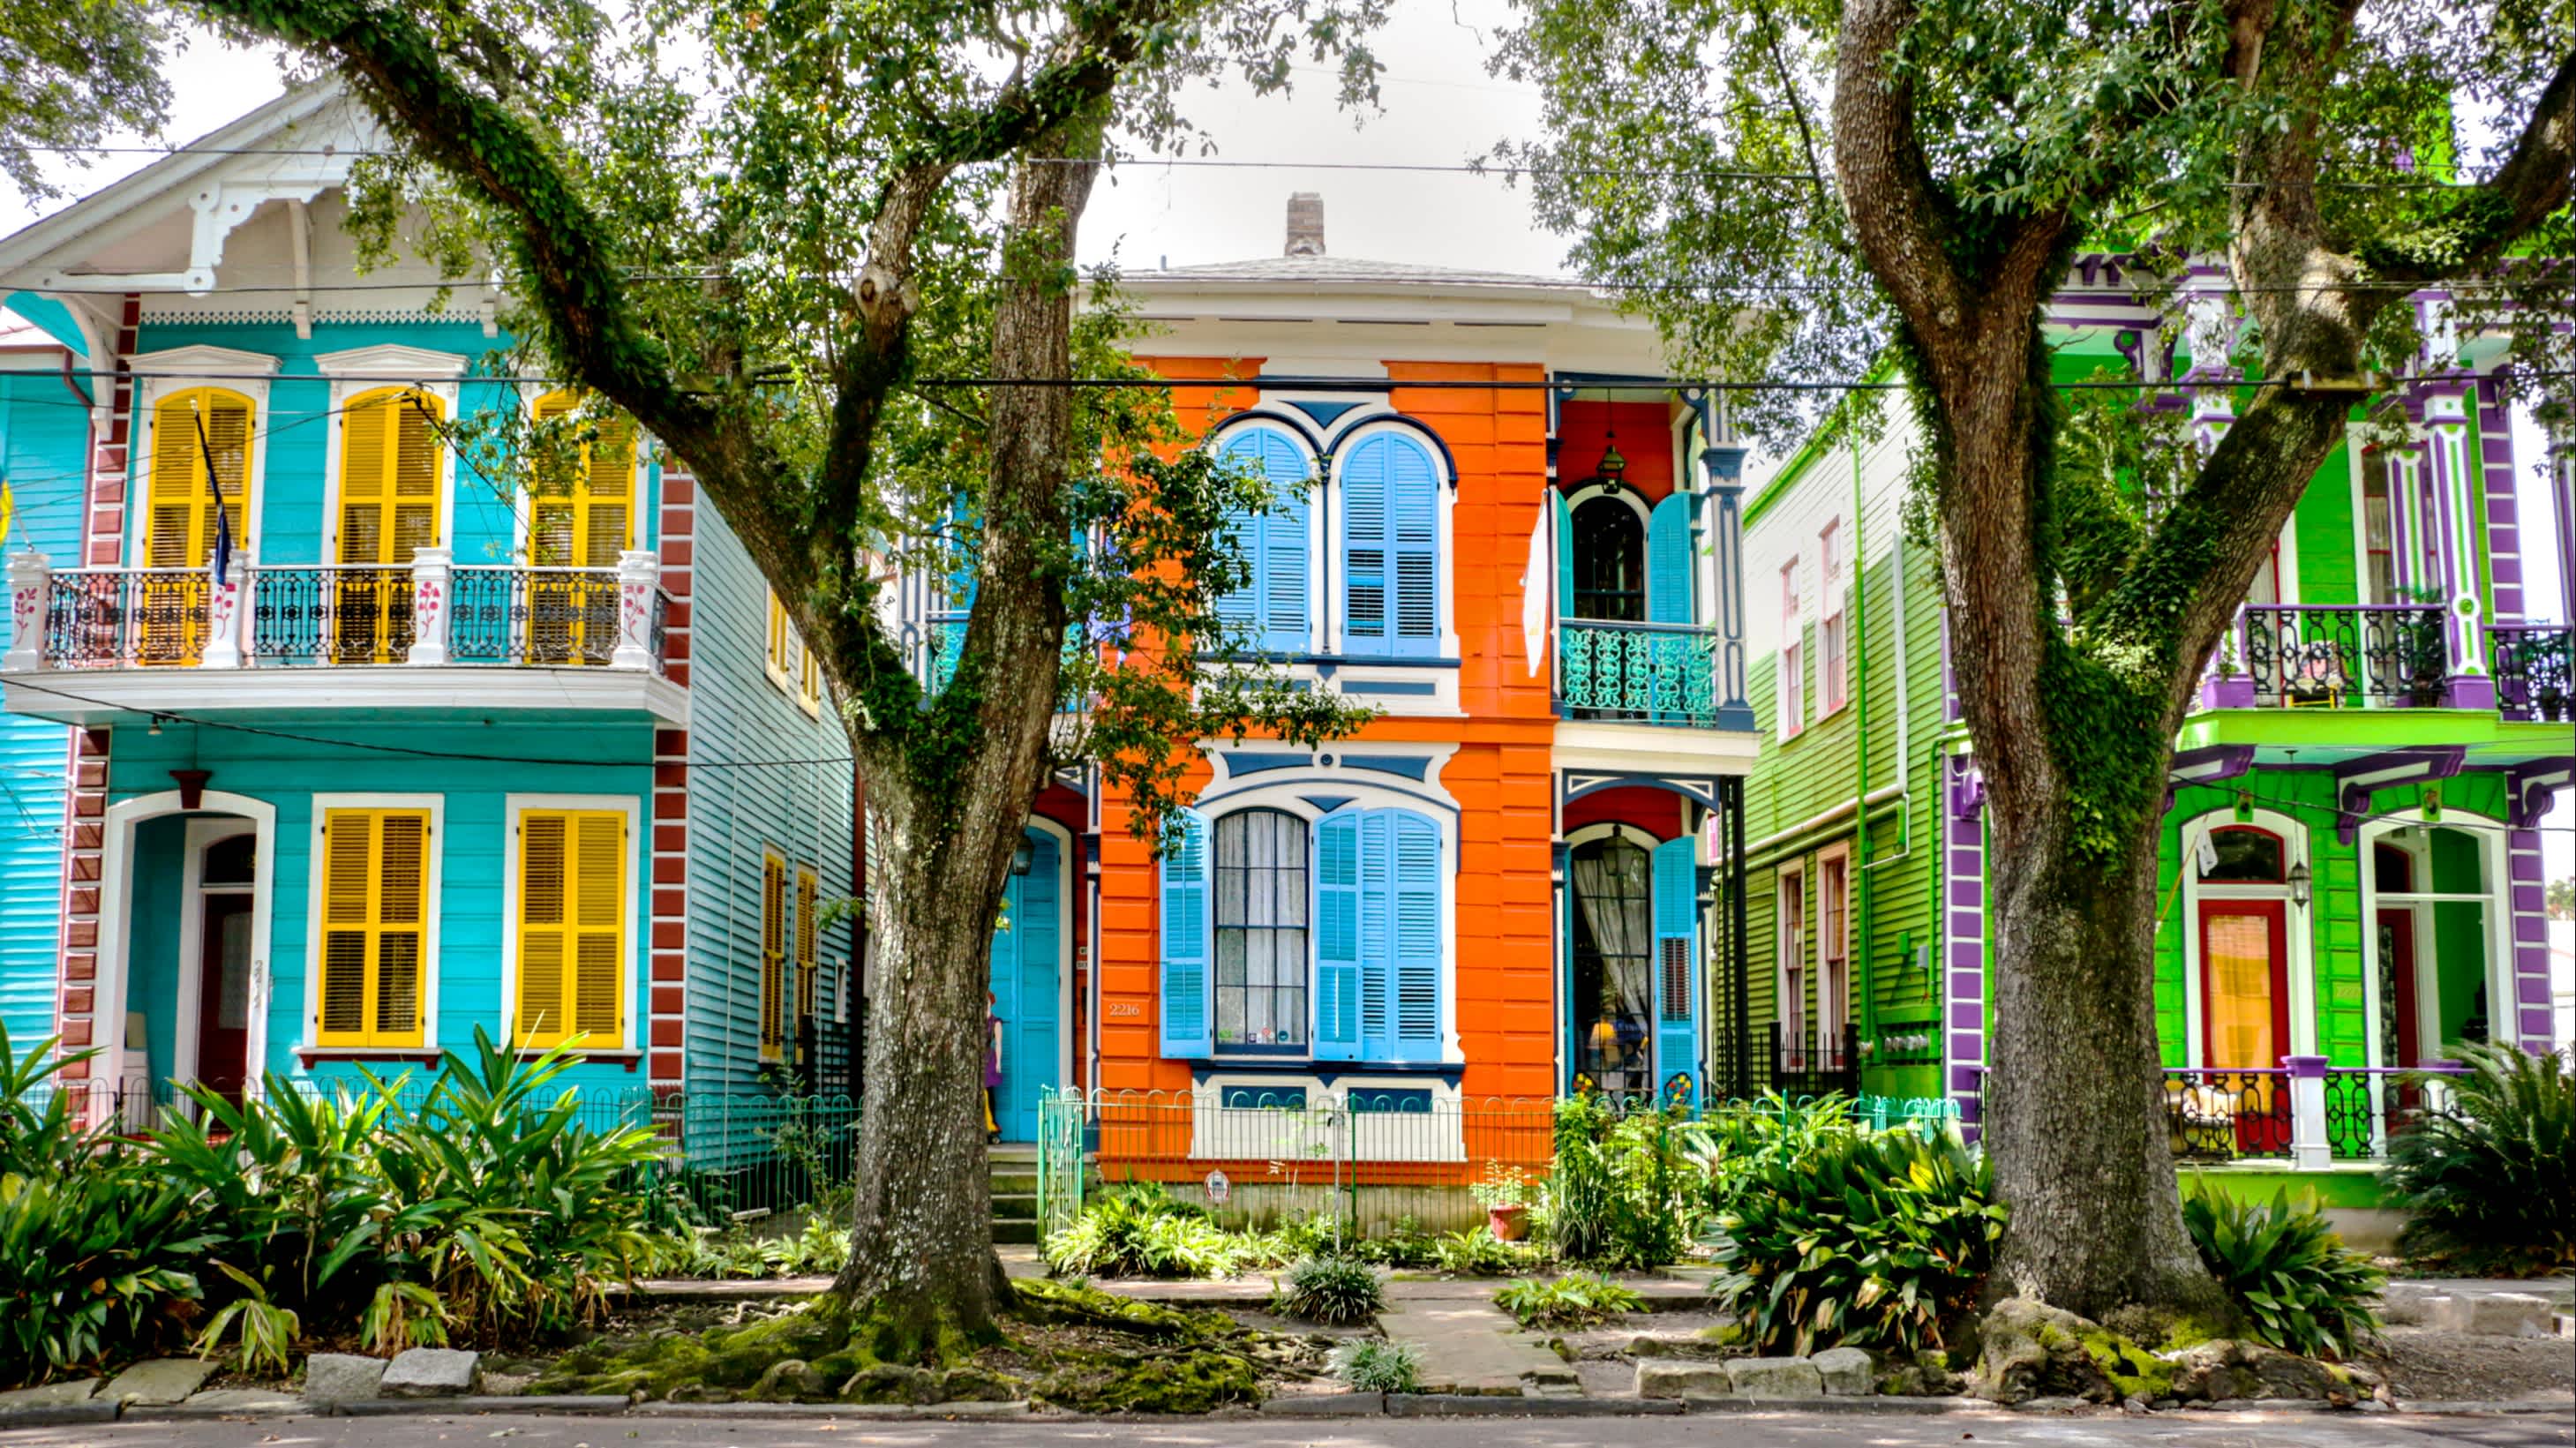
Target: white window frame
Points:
(180, 369)
(1790, 659)
(1833, 639)
(433, 888)
(1833, 927)
(362, 370)
(639, 859)
(2298, 928)
(1444, 571)
(1789, 950)
(1320, 480)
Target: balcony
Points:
(2367, 656)
(1637, 673)
(128, 640)
(2531, 663)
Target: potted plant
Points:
(1504, 1193)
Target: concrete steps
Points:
(1015, 1191)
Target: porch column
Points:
(639, 573)
(432, 583)
(2310, 1149)
(2562, 501)
(1725, 464)
(224, 615)
(2446, 417)
(31, 579)
(2407, 548)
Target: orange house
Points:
(1505, 531)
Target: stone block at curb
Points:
(51, 1395)
(96, 1410)
(1327, 1405)
(544, 1403)
(431, 1372)
(231, 1402)
(1847, 1371)
(1789, 1377)
(159, 1382)
(892, 1412)
(2401, 1304)
(339, 1377)
(1683, 1378)
(2509, 1314)
(1485, 1405)
(1892, 1405)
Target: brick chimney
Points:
(1305, 224)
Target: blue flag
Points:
(222, 552)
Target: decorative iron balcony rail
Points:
(268, 616)
(2532, 664)
(1651, 673)
(2346, 656)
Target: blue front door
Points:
(1024, 984)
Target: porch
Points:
(2393, 656)
(2304, 1112)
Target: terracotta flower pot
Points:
(1508, 1224)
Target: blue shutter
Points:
(1364, 548)
(1284, 627)
(1676, 913)
(1186, 934)
(1337, 938)
(1668, 562)
(1415, 885)
(1564, 554)
(1565, 963)
(1377, 936)
(1413, 511)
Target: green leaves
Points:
(2301, 1287)
(2488, 1180)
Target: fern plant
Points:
(1335, 1291)
(2299, 1286)
(1576, 1299)
(2489, 1182)
(1374, 1365)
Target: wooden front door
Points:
(223, 996)
(2245, 1012)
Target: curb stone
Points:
(895, 1411)
(1481, 1405)
(57, 1414)
(2457, 1406)
(1887, 1404)
(1327, 1405)
(549, 1404)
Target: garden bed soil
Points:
(2423, 1365)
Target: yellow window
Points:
(389, 450)
(791, 664)
(179, 519)
(808, 937)
(584, 511)
(773, 957)
(375, 885)
(572, 927)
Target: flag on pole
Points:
(223, 547)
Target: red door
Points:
(2245, 1013)
(223, 996)
(2397, 947)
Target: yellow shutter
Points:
(179, 529)
(388, 508)
(572, 927)
(375, 907)
(808, 961)
(585, 514)
(773, 953)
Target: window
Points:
(791, 664)
(1829, 632)
(773, 957)
(1271, 606)
(375, 866)
(1261, 858)
(180, 528)
(1833, 944)
(1363, 983)
(2378, 528)
(1792, 666)
(1390, 549)
(389, 497)
(1793, 958)
(582, 515)
(809, 934)
(572, 927)
(1613, 944)
(1609, 561)
(2241, 855)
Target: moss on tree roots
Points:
(1068, 1346)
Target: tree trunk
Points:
(951, 811)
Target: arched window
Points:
(1613, 946)
(189, 429)
(1609, 561)
(2243, 855)
(388, 507)
(1390, 549)
(1261, 930)
(1272, 603)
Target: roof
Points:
(1346, 271)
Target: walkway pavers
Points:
(1469, 1346)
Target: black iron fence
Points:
(2345, 656)
(2217, 1115)
(122, 617)
(2532, 664)
(330, 614)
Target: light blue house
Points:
(324, 750)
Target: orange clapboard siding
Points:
(1504, 984)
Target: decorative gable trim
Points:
(391, 362)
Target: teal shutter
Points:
(1564, 554)
(1337, 938)
(1415, 886)
(1364, 548)
(1186, 933)
(1413, 511)
(1676, 915)
(1565, 961)
(1668, 562)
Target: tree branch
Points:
(2480, 223)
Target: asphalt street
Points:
(1714, 1430)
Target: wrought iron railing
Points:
(2343, 657)
(507, 615)
(2215, 1115)
(2369, 1107)
(104, 618)
(1650, 673)
(2532, 664)
(330, 614)
(1811, 1063)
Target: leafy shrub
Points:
(1479, 1253)
(2297, 1283)
(1293, 1238)
(95, 1261)
(1623, 1193)
(1576, 1299)
(1874, 1241)
(2489, 1184)
(1405, 1244)
(1143, 1231)
(1730, 1147)
(1373, 1365)
(1331, 1290)
(1503, 1185)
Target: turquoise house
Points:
(323, 749)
